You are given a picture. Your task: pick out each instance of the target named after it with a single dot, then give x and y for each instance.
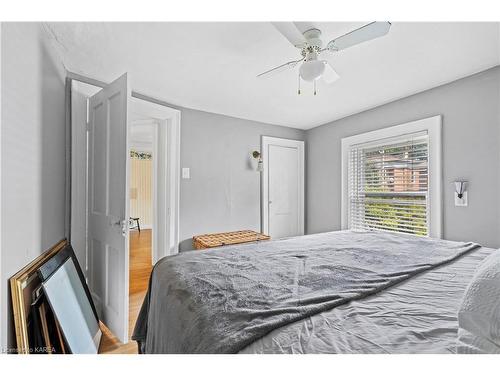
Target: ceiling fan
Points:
(311, 48)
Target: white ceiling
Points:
(213, 66)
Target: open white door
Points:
(108, 205)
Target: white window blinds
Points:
(389, 184)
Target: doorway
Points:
(282, 187)
(156, 129)
(103, 265)
(142, 177)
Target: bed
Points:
(335, 292)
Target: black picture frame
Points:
(49, 267)
(46, 270)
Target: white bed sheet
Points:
(416, 316)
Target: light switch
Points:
(185, 173)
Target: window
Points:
(392, 179)
(383, 191)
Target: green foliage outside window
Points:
(412, 220)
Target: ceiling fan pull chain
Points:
(298, 92)
(314, 87)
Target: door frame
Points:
(267, 141)
(167, 171)
(173, 134)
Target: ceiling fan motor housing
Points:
(313, 37)
(313, 44)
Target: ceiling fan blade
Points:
(278, 69)
(329, 75)
(368, 32)
(289, 30)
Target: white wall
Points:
(471, 121)
(32, 153)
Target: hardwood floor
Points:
(140, 269)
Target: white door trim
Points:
(266, 141)
(167, 133)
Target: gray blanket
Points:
(221, 300)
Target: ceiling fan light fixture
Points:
(311, 48)
(311, 70)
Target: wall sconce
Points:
(260, 163)
(461, 193)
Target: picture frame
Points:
(61, 308)
(22, 285)
(52, 264)
(67, 296)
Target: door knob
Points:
(124, 224)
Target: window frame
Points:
(432, 125)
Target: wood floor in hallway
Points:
(140, 270)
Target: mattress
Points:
(416, 316)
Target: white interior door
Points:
(108, 204)
(283, 187)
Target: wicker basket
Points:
(206, 241)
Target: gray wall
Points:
(471, 122)
(32, 153)
(223, 193)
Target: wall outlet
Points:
(185, 173)
(461, 202)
